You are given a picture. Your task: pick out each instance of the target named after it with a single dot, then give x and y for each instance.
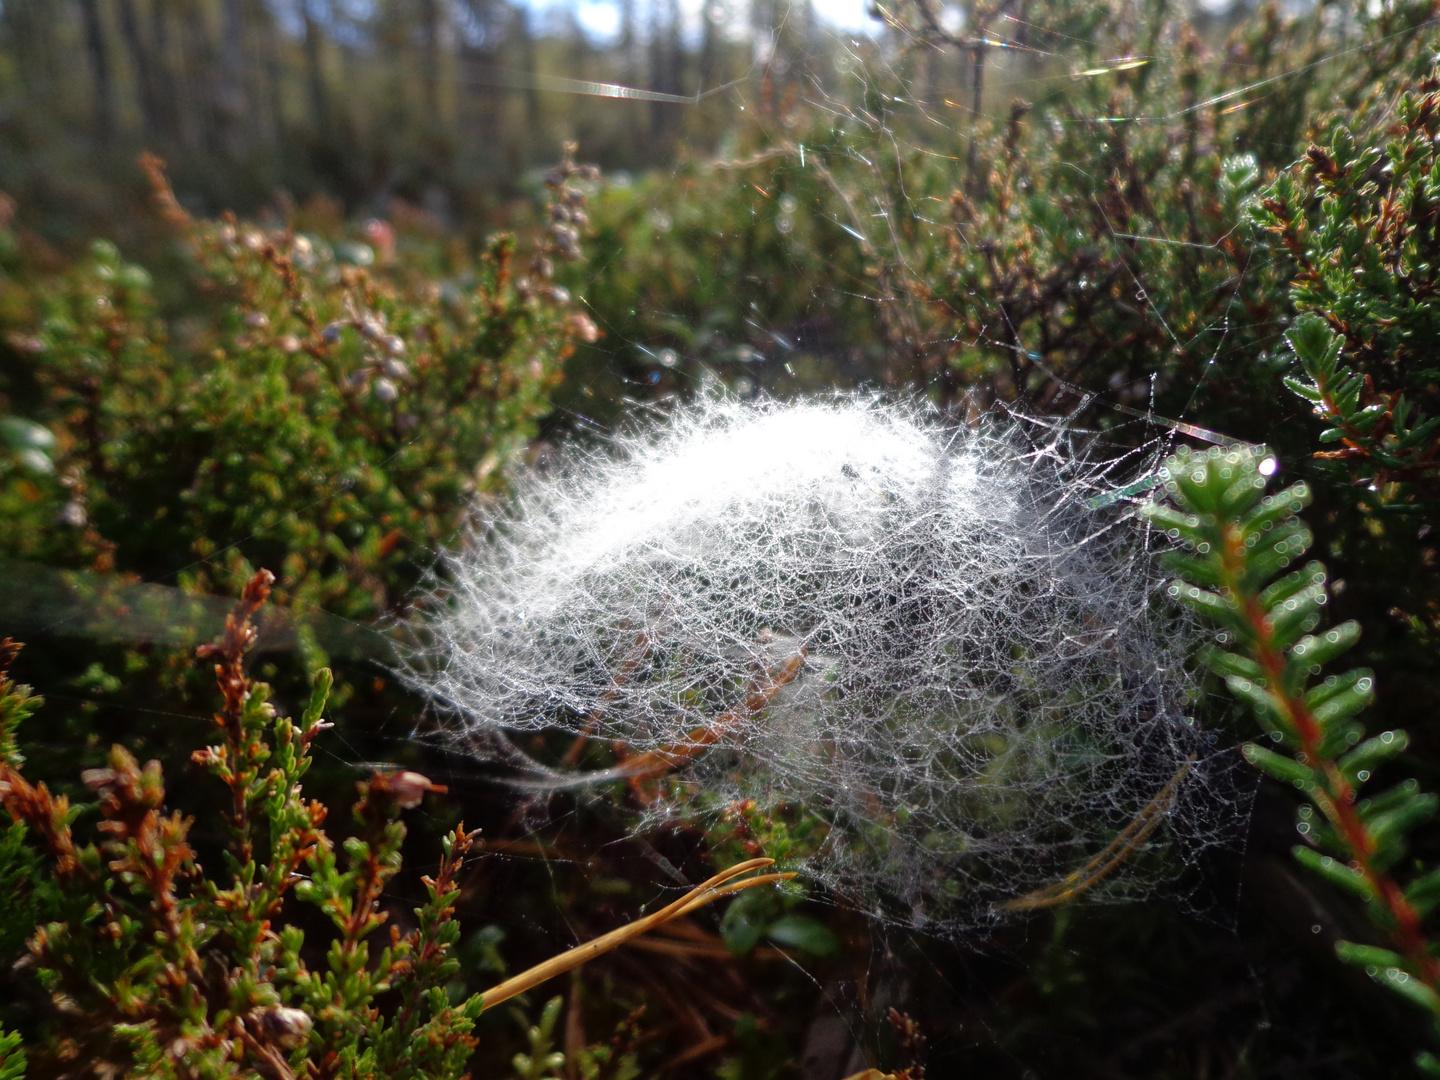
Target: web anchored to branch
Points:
(917, 632)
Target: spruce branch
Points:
(1238, 544)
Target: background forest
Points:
(298, 286)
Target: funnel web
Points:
(916, 630)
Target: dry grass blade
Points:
(722, 884)
(1129, 839)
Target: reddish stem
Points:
(1336, 798)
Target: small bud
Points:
(385, 390)
(284, 1026)
(289, 344)
(408, 788)
(25, 343)
(558, 294)
(394, 345)
(255, 320)
(583, 327)
(396, 369)
(382, 236)
(73, 514)
(97, 779)
(309, 734)
(331, 334)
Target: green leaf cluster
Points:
(1083, 236)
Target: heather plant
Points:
(325, 400)
(326, 405)
(154, 968)
(1354, 220)
(923, 635)
(1238, 543)
(1357, 217)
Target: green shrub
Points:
(154, 968)
(331, 402)
(320, 404)
(1088, 235)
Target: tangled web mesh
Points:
(917, 631)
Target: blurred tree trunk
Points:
(198, 76)
(277, 78)
(141, 59)
(626, 44)
(267, 77)
(167, 96)
(430, 60)
(314, 68)
(709, 46)
(439, 142)
(479, 49)
(676, 54)
(579, 48)
(530, 68)
(31, 26)
(98, 51)
(666, 67)
(231, 113)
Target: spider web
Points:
(923, 634)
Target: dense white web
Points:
(920, 632)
